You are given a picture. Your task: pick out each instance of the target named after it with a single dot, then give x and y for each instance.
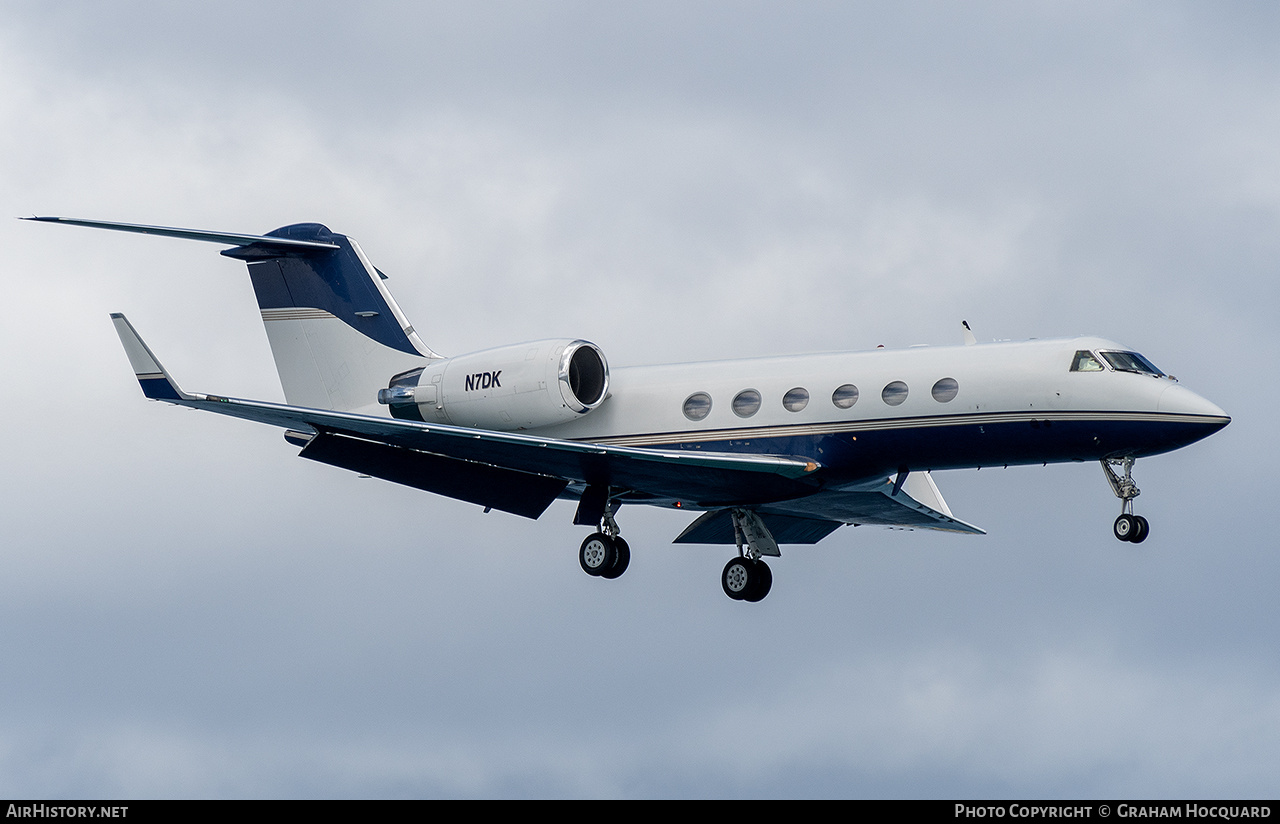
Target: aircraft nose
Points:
(1179, 400)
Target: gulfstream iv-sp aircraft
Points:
(768, 451)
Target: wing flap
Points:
(520, 493)
(716, 527)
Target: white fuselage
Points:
(1016, 393)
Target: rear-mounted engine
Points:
(523, 386)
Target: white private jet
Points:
(770, 451)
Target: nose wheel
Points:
(1131, 528)
(1127, 527)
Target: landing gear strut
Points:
(747, 578)
(1128, 527)
(604, 553)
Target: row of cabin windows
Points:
(747, 402)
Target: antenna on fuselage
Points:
(969, 339)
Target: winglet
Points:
(155, 381)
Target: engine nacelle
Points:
(523, 386)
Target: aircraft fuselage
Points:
(920, 408)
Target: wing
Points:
(915, 503)
(515, 473)
(911, 501)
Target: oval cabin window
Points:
(894, 393)
(945, 390)
(697, 406)
(845, 396)
(796, 399)
(746, 403)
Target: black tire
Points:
(1125, 527)
(1141, 529)
(622, 558)
(597, 554)
(763, 582)
(738, 578)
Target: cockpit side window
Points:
(1084, 361)
(1131, 362)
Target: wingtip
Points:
(152, 377)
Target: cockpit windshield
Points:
(1084, 361)
(1131, 362)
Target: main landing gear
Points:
(747, 578)
(1128, 527)
(604, 553)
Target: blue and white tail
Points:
(335, 331)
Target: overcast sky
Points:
(187, 610)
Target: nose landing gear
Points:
(1127, 527)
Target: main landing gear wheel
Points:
(603, 556)
(746, 580)
(597, 554)
(622, 557)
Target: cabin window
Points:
(746, 403)
(796, 399)
(1131, 362)
(845, 396)
(944, 391)
(1085, 362)
(894, 393)
(697, 406)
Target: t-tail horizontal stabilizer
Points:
(336, 333)
(280, 245)
(155, 381)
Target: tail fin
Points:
(336, 333)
